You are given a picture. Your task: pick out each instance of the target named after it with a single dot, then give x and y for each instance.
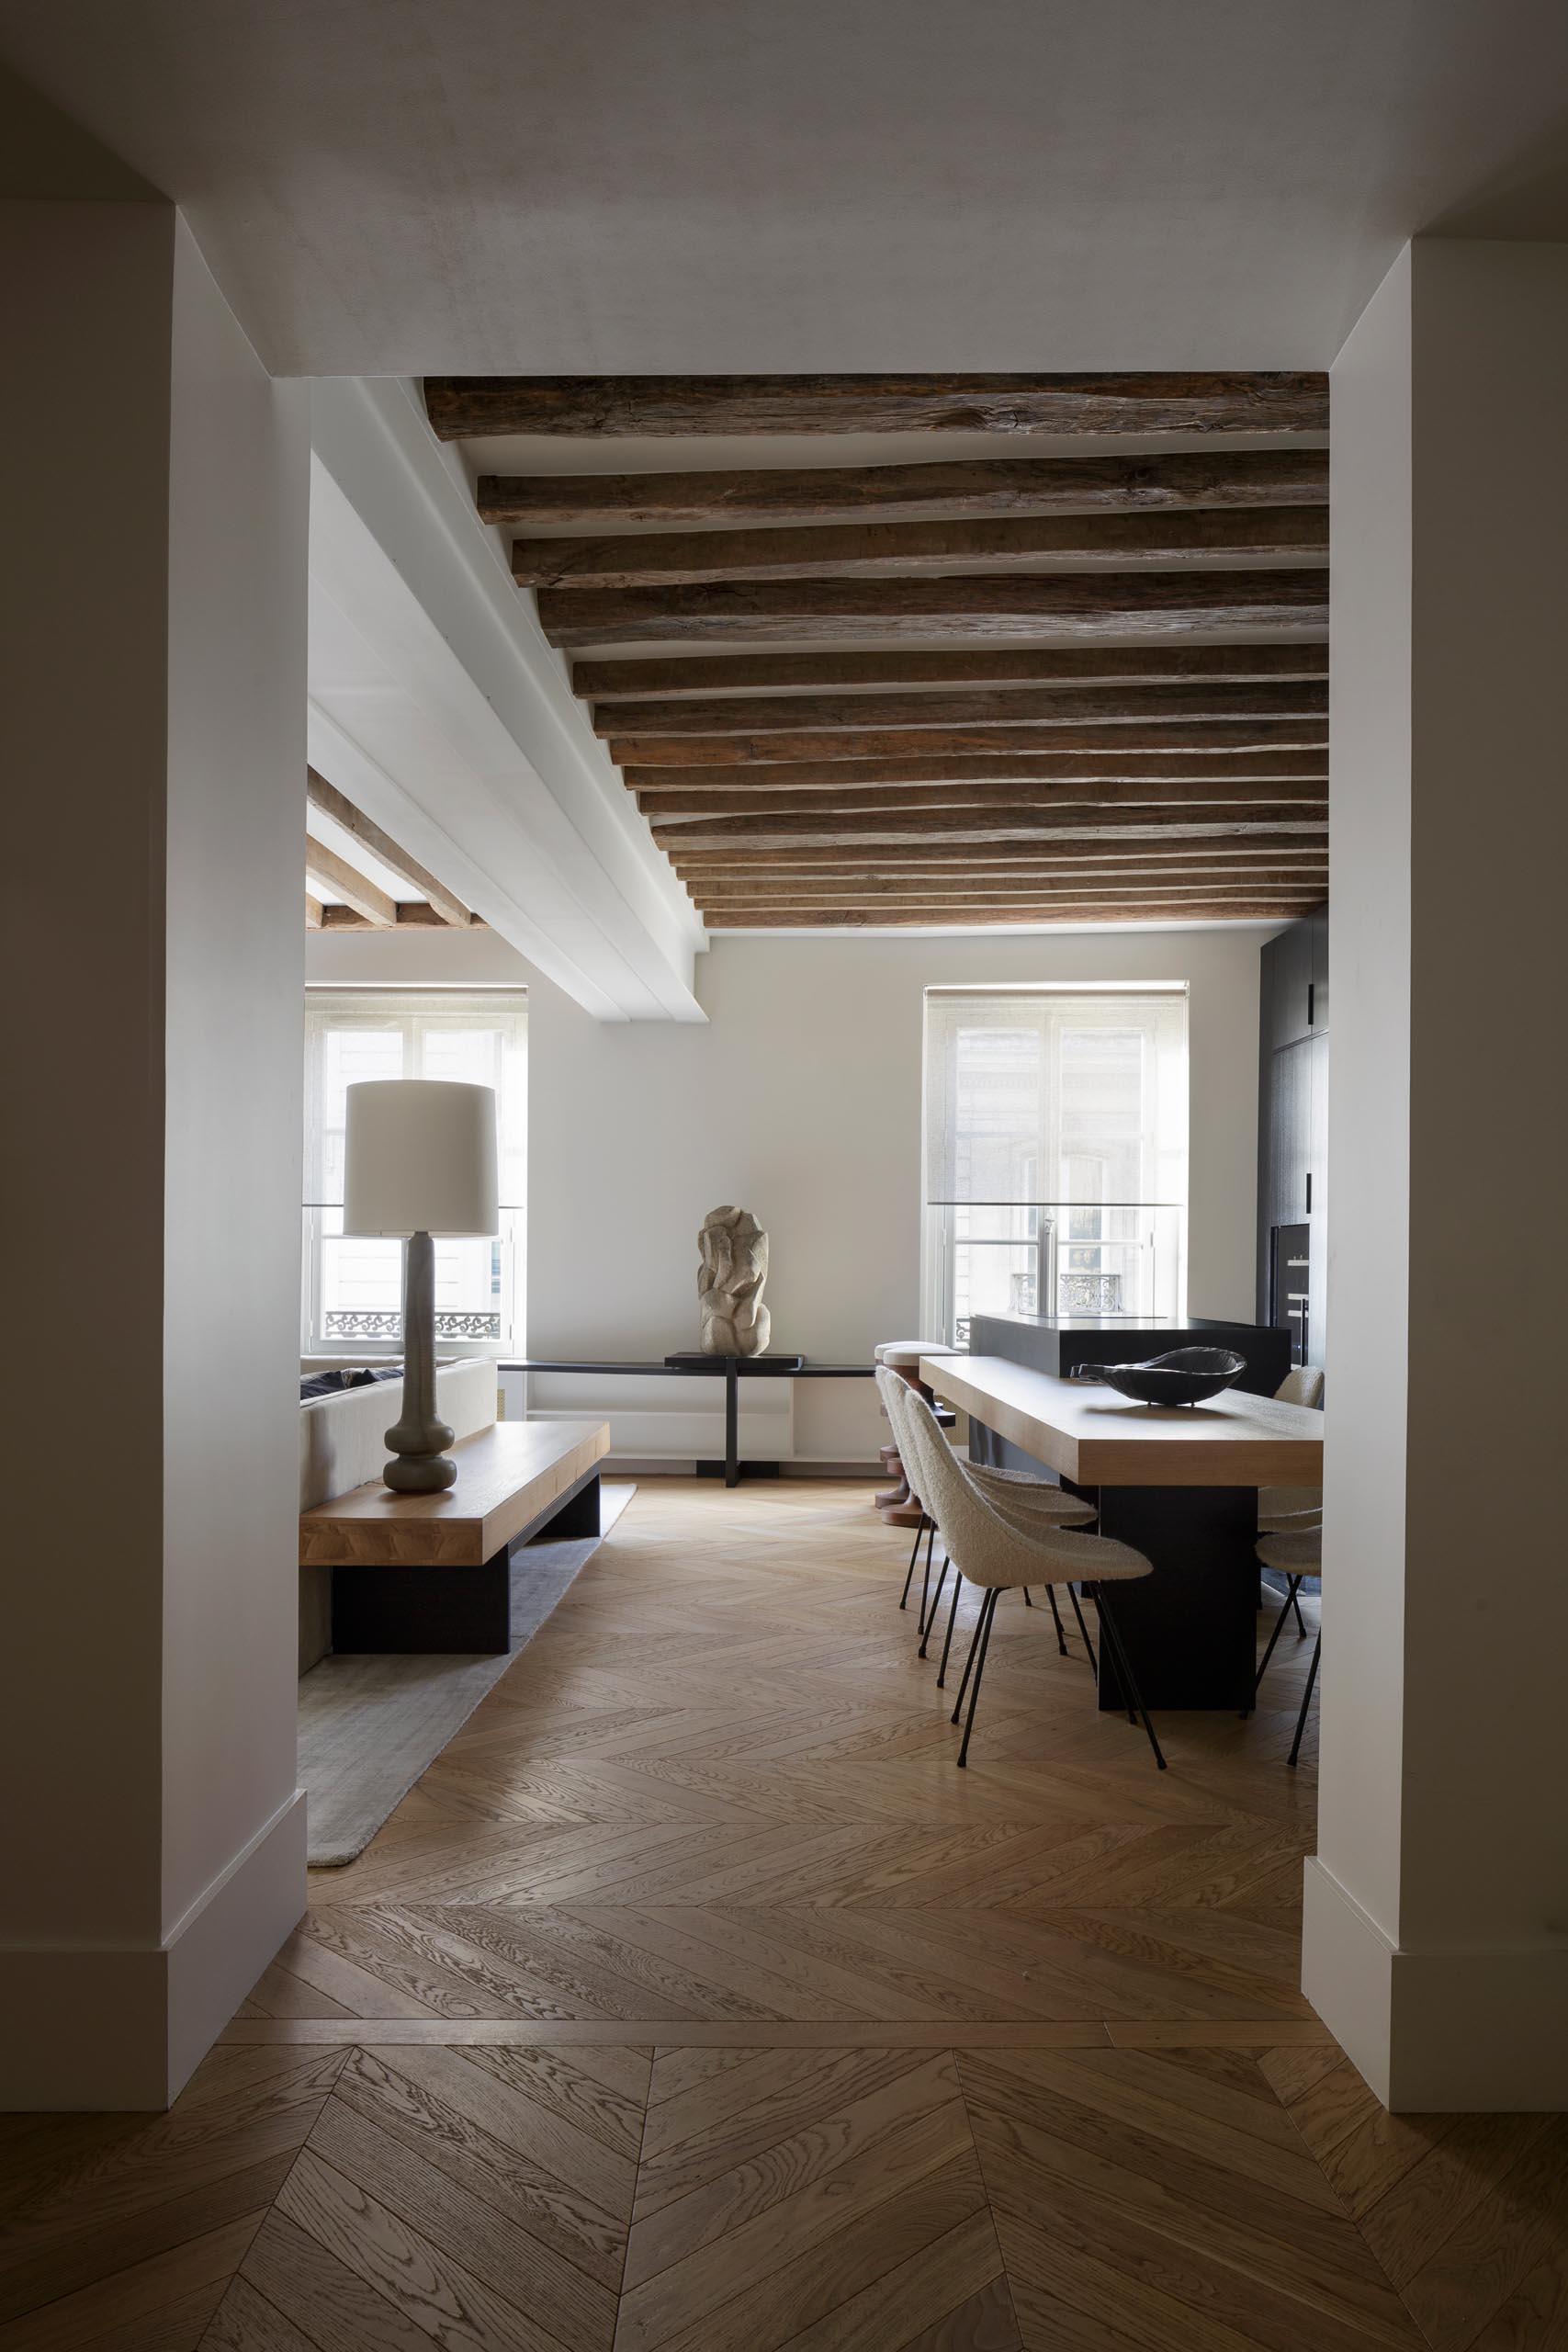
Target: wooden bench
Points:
(432, 1572)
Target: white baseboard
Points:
(1436, 2032)
(227, 1938)
(123, 2027)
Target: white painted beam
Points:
(438, 708)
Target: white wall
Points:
(156, 709)
(801, 1100)
(1369, 1114)
(235, 958)
(1436, 1923)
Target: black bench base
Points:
(410, 1607)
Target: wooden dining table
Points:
(1178, 1483)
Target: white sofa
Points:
(342, 1446)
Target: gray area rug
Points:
(370, 1725)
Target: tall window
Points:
(352, 1295)
(1056, 1159)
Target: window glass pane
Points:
(1055, 1161)
(352, 1290)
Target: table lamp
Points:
(419, 1159)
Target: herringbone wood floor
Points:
(695, 2003)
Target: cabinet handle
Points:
(1308, 1196)
(1312, 998)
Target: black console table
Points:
(731, 1370)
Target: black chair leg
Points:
(914, 1556)
(987, 1611)
(1027, 1602)
(926, 1574)
(1294, 1587)
(969, 1661)
(1088, 1645)
(1111, 1638)
(1306, 1701)
(1301, 1621)
(951, 1614)
(1056, 1615)
(936, 1604)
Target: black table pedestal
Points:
(1190, 1627)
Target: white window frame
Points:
(1161, 1235)
(418, 1012)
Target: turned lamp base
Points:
(421, 1464)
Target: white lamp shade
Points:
(420, 1158)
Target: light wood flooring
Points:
(693, 2002)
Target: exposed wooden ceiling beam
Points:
(1041, 708)
(412, 914)
(854, 869)
(982, 486)
(893, 550)
(678, 676)
(993, 889)
(969, 825)
(1177, 739)
(1089, 910)
(463, 407)
(313, 912)
(329, 875)
(701, 808)
(927, 611)
(1310, 768)
(943, 860)
(382, 847)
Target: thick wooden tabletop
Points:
(507, 1474)
(1098, 1439)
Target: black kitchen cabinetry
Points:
(1292, 1134)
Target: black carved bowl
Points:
(1185, 1376)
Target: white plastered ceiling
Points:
(389, 186)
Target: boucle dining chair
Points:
(1295, 1557)
(1007, 1549)
(1011, 1489)
(1280, 1508)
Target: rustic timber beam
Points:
(891, 550)
(848, 869)
(927, 610)
(327, 875)
(333, 803)
(1181, 739)
(1092, 909)
(465, 407)
(996, 888)
(1002, 767)
(676, 677)
(701, 807)
(1307, 841)
(1042, 707)
(1098, 887)
(313, 912)
(977, 487)
(968, 825)
(874, 908)
(412, 914)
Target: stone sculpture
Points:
(733, 1268)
